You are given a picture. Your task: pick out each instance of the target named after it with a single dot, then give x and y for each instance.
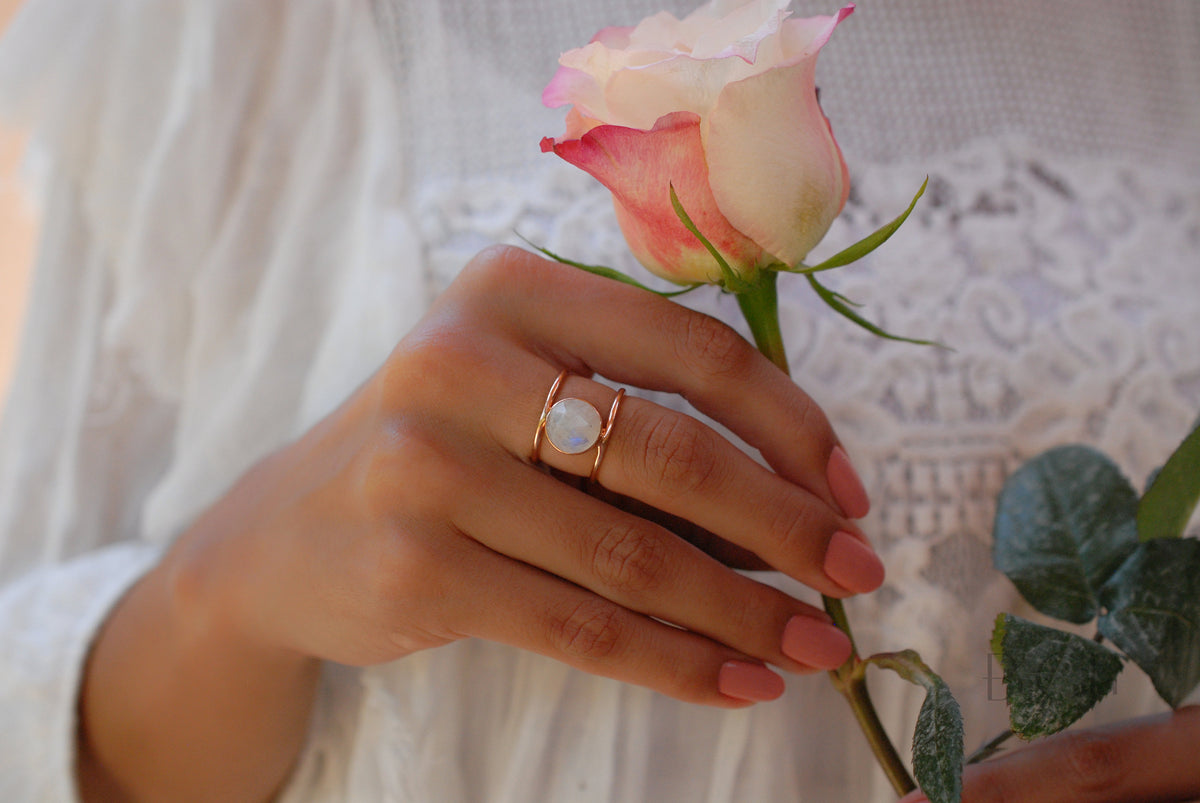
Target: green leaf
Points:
(1169, 501)
(1065, 521)
(730, 280)
(607, 273)
(866, 245)
(1152, 612)
(839, 304)
(1053, 677)
(938, 736)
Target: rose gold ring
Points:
(605, 432)
(572, 426)
(541, 427)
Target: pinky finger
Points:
(525, 607)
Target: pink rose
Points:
(722, 105)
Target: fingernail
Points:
(747, 681)
(846, 485)
(852, 564)
(815, 643)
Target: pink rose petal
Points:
(639, 167)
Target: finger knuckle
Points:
(689, 681)
(807, 416)
(711, 349)
(397, 571)
(408, 582)
(758, 616)
(1091, 760)
(497, 269)
(680, 455)
(590, 631)
(444, 360)
(629, 558)
(796, 528)
(407, 474)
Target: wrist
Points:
(218, 604)
(178, 698)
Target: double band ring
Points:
(573, 426)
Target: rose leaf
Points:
(1053, 677)
(938, 736)
(1065, 521)
(1152, 612)
(1171, 497)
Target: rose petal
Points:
(741, 32)
(723, 8)
(638, 98)
(614, 36)
(639, 167)
(775, 169)
(578, 124)
(661, 33)
(804, 37)
(568, 86)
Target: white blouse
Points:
(245, 205)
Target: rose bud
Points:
(722, 106)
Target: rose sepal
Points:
(746, 289)
(606, 272)
(730, 280)
(864, 246)
(842, 306)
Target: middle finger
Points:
(533, 518)
(677, 464)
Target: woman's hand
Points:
(413, 516)
(1150, 760)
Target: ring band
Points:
(541, 427)
(573, 426)
(604, 433)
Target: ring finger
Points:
(645, 568)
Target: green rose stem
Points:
(760, 306)
(990, 749)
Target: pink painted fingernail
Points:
(815, 643)
(846, 485)
(852, 564)
(747, 681)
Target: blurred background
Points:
(16, 234)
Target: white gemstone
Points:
(573, 426)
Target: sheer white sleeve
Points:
(47, 621)
(217, 200)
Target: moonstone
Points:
(572, 426)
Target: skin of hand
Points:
(1147, 760)
(412, 516)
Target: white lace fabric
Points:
(247, 204)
